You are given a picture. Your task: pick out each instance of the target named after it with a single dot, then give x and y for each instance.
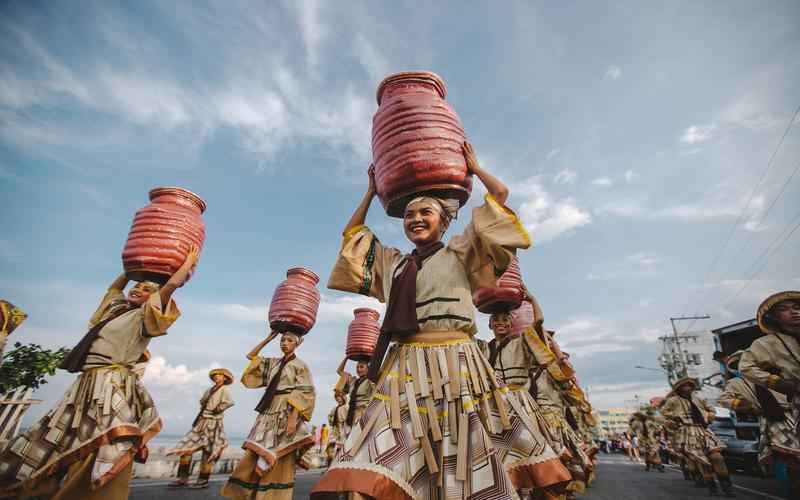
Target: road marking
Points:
(756, 492)
(217, 478)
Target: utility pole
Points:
(684, 371)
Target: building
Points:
(613, 421)
(692, 355)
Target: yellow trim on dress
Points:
(772, 381)
(514, 218)
(444, 343)
(352, 232)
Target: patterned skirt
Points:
(441, 426)
(781, 439)
(207, 436)
(696, 442)
(106, 411)
(567, 441)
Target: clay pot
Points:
(362, 334)
(522, 318)
(416, 142)
(506, 297)
(295, 302)
(162, 233)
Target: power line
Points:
(767, 169)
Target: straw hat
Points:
(224, 372)
(774, 299)
(684, 381)
(732, 361)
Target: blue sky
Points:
(631, 137)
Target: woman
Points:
(281, 434)
(84, 447)
(208, 433)
(426, 432)
(337, 421)
(359, 388)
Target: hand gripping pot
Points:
(295, 302)
(362, 334)
(506, 296)
(161, 234)
(416, 142)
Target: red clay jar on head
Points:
(295, 302)
(362, 334)
(162, 233)
(506, 296)
(416, 142)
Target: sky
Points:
(639, 141)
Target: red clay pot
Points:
(295, 302)
(162, 233)
(521, 318)
(506, 297)
(362, 334)
(416, 142)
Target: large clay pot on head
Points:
(416, 142)
(162, 233)
(295, 302)
(362, 334)
(506, 296)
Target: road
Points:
(617, 479)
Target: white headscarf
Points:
(297, 338)
(447, 208)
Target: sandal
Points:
(178, 484)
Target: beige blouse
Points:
(678, 409)
(447, 279)
(295, 387)
(124, 339)
(364, 392)
(766, 360)
(740, 395)
(220, 401)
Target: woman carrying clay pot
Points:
(336, 420)
(359, 389)
(84, 447)
(281, 433)
(208, 433)
(426, 432)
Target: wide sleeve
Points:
(112, 295)
(256, 373)
(561, 371)
(158, 319)
(671, 408)
(344, 384)
(303, 396)
(732, 397)
(489, 242)
(225, 400)
(364, 265)
(756, 365)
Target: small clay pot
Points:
(295, 302)
(362, 334)
(162, 233)
(416, 142)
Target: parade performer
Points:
(84, 447)
(694, 440)
(207, 433)
(426, 432)
(773, 362)
(514, 361)
(11, 317)
(359, 388)
(337, 419)
(281, 434)
(650, 435)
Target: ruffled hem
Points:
(367, 479)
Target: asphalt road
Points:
(618, 479)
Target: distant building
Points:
(692, 355)
(613, 421)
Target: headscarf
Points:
(297, 338)
(446, 208)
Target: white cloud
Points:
(698, 134)
(548, 218)
(160, 373)
(552, 154)
(613, 73)
(630, 176)
(603, 182)
(333, 309)
(643, 259)
(565, 176)
(312, 28)
(371, 59)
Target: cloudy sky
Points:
(636, 141)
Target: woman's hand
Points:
(470, 157)
(496, 188)
(372, 189)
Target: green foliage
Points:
(28, 366)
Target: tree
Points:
(28, 366)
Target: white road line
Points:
(217, 478)
(756, 492)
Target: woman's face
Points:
(218, 378)
(339, 398)
(500, 324)
(288, 344)
(787, 313)
(685, 389)
(139, 294)
(361, 369)
(422, 223)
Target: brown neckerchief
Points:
(401, 311)
(205, 404)
(76, 358)
(272, 387)
(351, 409)
(336, 416)
(697, 415)
(495, 348)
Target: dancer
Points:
(281, 434)
(773, 362)
(84, 447)
(436, 395)
(698, 444)
(359, 388)
(337, 420)
(207, 433)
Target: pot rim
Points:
(428, 76)
(304, 271)
(369, 310)
(189, 195)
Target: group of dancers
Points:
(434, 414)
(762, 381)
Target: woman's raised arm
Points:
(494, 185)
(360, 215)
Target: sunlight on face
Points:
(500, 324)
(139, 294)
(422, 223)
